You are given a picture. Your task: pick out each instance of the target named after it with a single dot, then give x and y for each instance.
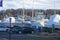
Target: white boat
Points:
(14, 21)
(54, 21)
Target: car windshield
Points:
(17, 28)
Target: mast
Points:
(32, 9)
(23, 10)
(54, 8)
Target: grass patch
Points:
(35, 35)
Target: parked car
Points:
(2, 28)
(27, 30)
(23, 30)
(16, 30)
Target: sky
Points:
(29, 4)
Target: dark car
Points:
(27, 30)
(16, 30)
(4, 29)
(24, 29)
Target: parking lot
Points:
(7, 36)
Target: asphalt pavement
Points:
(7, 36)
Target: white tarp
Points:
(7, 20)
(54, 19)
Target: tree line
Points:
(28, 12)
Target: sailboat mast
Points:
(54, 8)
(23, 10)
(32, 9)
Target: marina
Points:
(29, 20)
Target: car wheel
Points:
(32, 32)
(7, 30)
(20, 32)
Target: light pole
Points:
(53, 27)
(10, 30)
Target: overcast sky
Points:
(29, 4)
